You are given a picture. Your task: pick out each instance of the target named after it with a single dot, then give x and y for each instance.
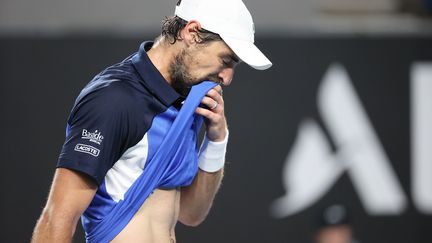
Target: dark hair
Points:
(171, 27)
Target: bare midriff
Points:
(155, 220)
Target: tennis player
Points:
(129, 166)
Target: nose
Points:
(226, 75)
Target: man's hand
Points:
(197, 199)
(216, 125)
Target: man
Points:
(111, 171)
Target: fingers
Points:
(214, 113)
(216, 119)
(206, 113)
(212, 104)
(216, 94)
(218, 89)
(213, 98)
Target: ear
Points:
(189, 34)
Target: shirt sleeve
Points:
(97, 133)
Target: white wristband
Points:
(212, 154)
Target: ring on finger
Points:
(214, 106)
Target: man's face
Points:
(212, 61)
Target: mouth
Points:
(214, 79)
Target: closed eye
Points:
(228, 62)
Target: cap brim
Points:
(248, 53)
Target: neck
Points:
(161, 55)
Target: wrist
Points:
(217, 135)
(212, 154)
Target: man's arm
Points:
(71, 193)
(197, 199)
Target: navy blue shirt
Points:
(115, 127)
(116, 109)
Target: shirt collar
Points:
(151, 76)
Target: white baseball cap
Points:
(232, 21)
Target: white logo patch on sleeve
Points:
(95, 137)
(83, 148)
